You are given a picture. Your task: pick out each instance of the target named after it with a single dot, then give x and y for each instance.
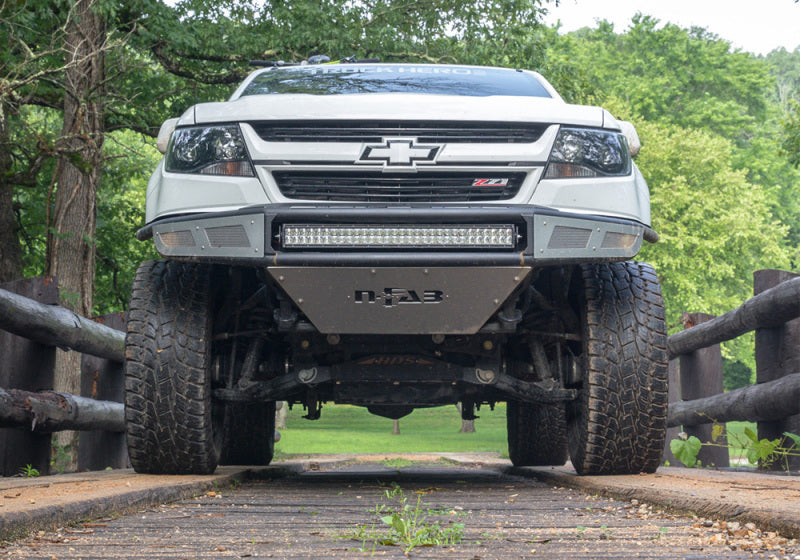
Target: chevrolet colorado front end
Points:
(397, 236)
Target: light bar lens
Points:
(399, 237)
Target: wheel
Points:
(617, 425)
(172, 426)
(249, 434)
(537, 434)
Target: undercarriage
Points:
(270, 351)
(578, 353)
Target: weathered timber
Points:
(48, 411)
(777, 354)
(103, 380)
(56, 326)
(701, 377)
(769, 309)
(28, 366)
(673, 395)
(757, 403)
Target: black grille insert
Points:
(375, 131)
(398, 187)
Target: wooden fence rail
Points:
(768, 309)
(764, 402)
(32, 326)
(49, 411)
(774, 401)
(55, 326)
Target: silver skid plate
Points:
(401, 300)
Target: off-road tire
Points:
(169, 413)
(249, 434)
(618, 423)
(537, 434)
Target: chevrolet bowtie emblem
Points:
(400, 152)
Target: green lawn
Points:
(736, 438)
(351, 429)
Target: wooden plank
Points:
(777, 353)
(768, 309)
(53, 325)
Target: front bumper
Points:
(252, 236)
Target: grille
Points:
(359, 131)
(569, 238)
(228, 236)
(387, 187)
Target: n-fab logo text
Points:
(392, 297)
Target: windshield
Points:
(396, 78)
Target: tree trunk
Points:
(281, 413)
(467, 426)
(10, 249)
(70, 247)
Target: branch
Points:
(159, 51)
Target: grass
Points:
(351, 429)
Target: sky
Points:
(756, 26)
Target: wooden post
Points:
(103, 379)
(777, 355)
(673, 395)
(701, 376)
(28, 366)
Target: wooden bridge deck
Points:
(316, 512)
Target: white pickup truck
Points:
(397, 236)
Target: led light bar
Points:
(399, 236)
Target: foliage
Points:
(758, 452)
(688, 78)
(129, 161)
(28, 471)
(686, 449)
(408, 526)
(791, 127)
(735, 374)
(715, 226)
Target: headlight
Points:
(209, 150)
(579, 152)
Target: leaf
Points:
(686, 450)
(717, 431)
(794, 437)
(751, 435)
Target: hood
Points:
(401, 106)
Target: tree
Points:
(687, 77)
(30, 36)
(716, 227)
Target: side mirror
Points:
(629, 131)
(164, 134)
